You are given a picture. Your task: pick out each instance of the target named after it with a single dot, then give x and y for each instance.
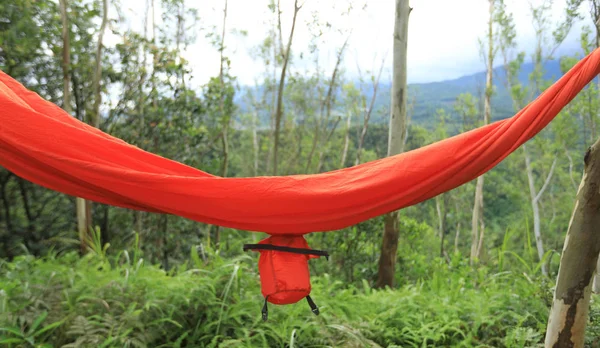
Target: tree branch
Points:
(548, 178)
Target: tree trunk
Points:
(326, 145)
(97, 99)
(346, 141)
(326, 105)
(477, 234)
(98, 71)
(481, 234)
(569, 314)
(225, 118)
(536, 211)
(66, 67)
(475, 218)
(456, 237)
(595, 13)
(368, 112)
(440, 201)
(397, 131)
(273, 106)
(279, 110)
(535, 198)
(226, 122)
(389, 248)
(139, 215)
(255, 141)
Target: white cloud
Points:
(443, 35)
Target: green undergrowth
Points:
(96, 301)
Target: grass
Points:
(101, 301)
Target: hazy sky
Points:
(443, 35)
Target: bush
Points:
(68, 301)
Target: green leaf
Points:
(49, 327)
(37, 322)
(12, 330)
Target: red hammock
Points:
(43, 144)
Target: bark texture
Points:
(568, 316)
(397, 132)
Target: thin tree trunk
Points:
(456, 237)
(97, 96)
(569, 314)
(104, 226)
(225, 140)
(477, 235)
(475, 218)
(139, 215)
(535, 198)
(325, 149)
(98, 71)
(368, 112)
(279, 110)
(154, 60)
(397, 131)
(326, 104)
(346, 141)
(225, 118)
(255, 142)
(273, 105)
(165, 241)
(7, 218)
(441, 213)
(66, 67)
(481, 234)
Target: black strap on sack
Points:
(286, 249)
(313, 306)
(311, 303)
(265, 310)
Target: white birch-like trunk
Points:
(456, 237)
(569, 314)
(346, 141)
(477, 217)
(536, 211)
(255, 142)
(535, 207)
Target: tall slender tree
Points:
(477, 223)
(80, 203)
(396, 139)
(569, 313)
(97, 96)
(225, 117)
(286, 61)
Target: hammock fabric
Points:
(43, 144)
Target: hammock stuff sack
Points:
(283, 269)
(41, 143)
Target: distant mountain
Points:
(429, 97)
